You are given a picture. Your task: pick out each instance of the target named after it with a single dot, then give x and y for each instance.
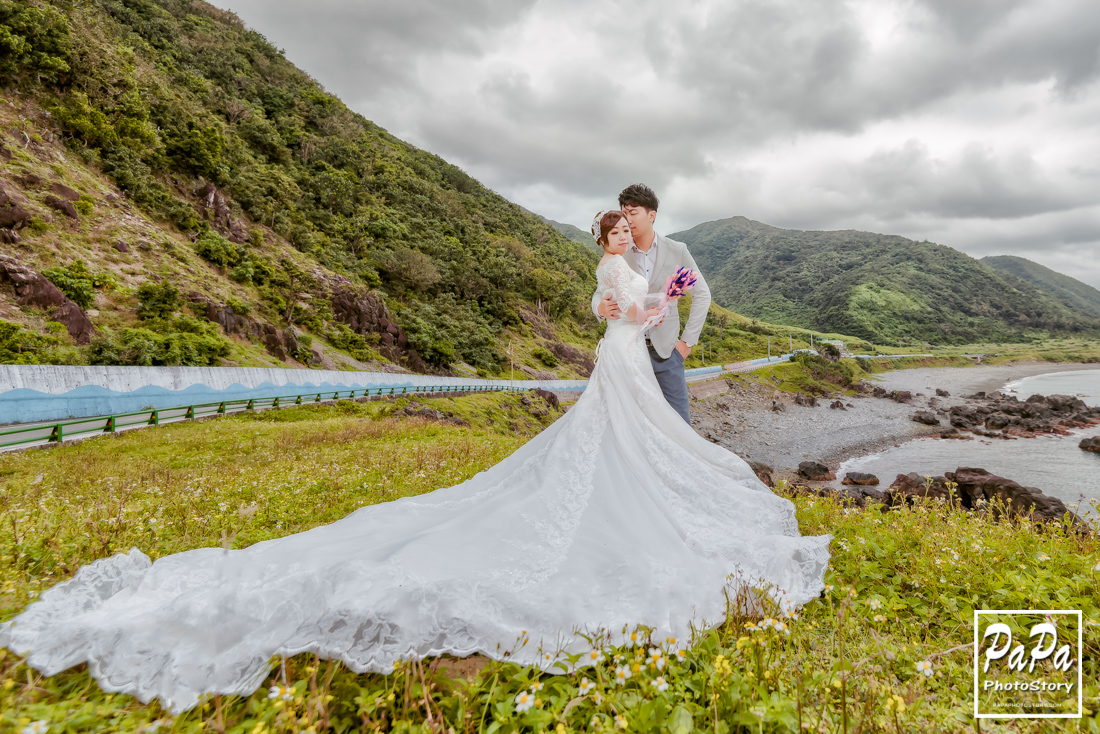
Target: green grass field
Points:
(902, 589)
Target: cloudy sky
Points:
(972, 123)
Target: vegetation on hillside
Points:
(888, 647)
(1070, 290)
(881, 288)
(178, 103)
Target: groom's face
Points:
(640, 220)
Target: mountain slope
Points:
(249, 183)
(877, 287)
(1070, 290)
(575, 234)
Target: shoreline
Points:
(739, 415)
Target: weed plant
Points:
(887, 648)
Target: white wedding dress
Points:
(616, 515)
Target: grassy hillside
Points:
(575, 234)
(290, 226)
(1072, 291)
(883, 288)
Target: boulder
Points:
(550, 398)
(837, 405)
(1091, 444)
(860, 479)
(908, 486)
(901, 396)
(121, 246)
(806, 401)
(30, 180)
(12, 215)
(763, 472)
(942, 393)
(33, 289)
(815, 471)
(64, 192)
(978, 485)
(925, 417)
(9, 236)
(65, 207)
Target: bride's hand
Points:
(650, 313)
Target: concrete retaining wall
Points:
(32, 393)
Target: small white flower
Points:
(587, 686)
(621, 722)
(875, 604)
(660, 683)
(537, 686)
(524, 701)
(595, 656)
(38, 727)
(622, 673)
(157, 725)
(681, 654)
(280, 693)
(925, 667)
(597, 698)
(657, 657)
(1096, 568)
(1042, 557)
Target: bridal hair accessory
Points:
(596, 223)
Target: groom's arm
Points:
(700, 304)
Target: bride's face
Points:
(618, 238)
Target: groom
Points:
(655, 258)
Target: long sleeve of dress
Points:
(619, 275)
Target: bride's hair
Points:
(607, 223)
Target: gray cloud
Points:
(971, 123)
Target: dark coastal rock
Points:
(852, 494)
(860, 479)
(925, 417)
(763, 472)
(9, 236)
(65, 207)
(942, 393)
(815, 471)
(978, 486)
(121, 246)
(778, 406)
(907, 486)
(1091, 444)
(33, 289)
(806, 401)
(901, 396)
(579, 357)
(837, 405)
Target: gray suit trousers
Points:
(670, 376)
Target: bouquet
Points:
(675, 286)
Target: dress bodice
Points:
(625, 285)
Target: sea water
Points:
(1054, 464)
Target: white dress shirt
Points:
(646, 261)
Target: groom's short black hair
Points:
(639, 195)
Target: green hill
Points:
(1072, 291)
(883, 288)
(161, 144)
(574, 234)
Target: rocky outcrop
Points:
(35, 290)
(12, 215)
(837, 405)
(763, 472)
(926, 417)
(942, 393)
(550, 398)
(415, 409)
(975, 489)
(64, 192)
(860, 479)
(806, 401)
(578, 357)
(216, 210)
(1091, 444)
(815, 471)
(63, 206)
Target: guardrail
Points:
(45, 434)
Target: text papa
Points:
(1018, 658)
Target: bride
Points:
(615, 516)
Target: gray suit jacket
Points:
(671, 255)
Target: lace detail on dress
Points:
(616, 515)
